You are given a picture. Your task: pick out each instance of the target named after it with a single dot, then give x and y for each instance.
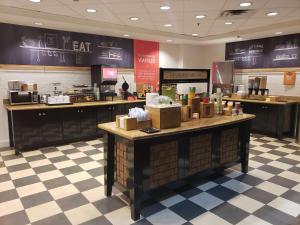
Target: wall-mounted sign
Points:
(273, 52)
(37, 46)
(146, 61)
(289, 78)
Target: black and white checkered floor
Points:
(64, 185)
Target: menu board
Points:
(38, 46)
(274, 52)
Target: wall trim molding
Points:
(266, 70)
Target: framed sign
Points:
(289, 78)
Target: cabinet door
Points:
(52, 126)
(71, 123)
(27, 128)
(88, 122)
(116, 110)
(104, 114)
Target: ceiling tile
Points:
(235, 4)
(282, 4)
(196, 5)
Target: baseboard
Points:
(4, 143)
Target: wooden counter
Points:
(195, 124)
(287, 102)
(138, 163)
(75, 105)
(276, 119)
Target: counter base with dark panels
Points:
(141, 163)
(35, 126)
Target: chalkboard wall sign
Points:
(274, 52)
(24, 45)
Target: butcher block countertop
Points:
(193, 125)
(75, 105)
(260, 101)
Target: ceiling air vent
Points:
(239, 13)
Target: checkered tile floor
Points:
(64, 185)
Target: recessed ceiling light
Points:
(228, 23)
(126, 35)
(245, 4)
(165, 7)
(35, 1)
(168, 25)
(134, 18)
(272, 13)
(195, 35)
(169, 40)
(200, 16)
(91, 10)
(278, 33)
(38, 23)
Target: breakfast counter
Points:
(285, 102)
(139, 163)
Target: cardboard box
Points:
(144, 124)
(195, 105)
(207, 110)
(162, 118)
(126, 123)
(186, 113)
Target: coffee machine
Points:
(104, 79)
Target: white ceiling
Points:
(112, 18)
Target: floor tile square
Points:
(274, 216)
(260, 174)
(98, 221)
(22, 166)
(63, 191)
(64, 164)
(245, 203)
(187, 210)
(236, 186)
(90, 165)
(38, 163)
(43, 169)
(10, 207)
(207, 186)
(53, 154)
(50, 175)
(272, 188)
(43, 211)
(7, 185)
(71, 202)
(290, 175)
(209, 218)
(261, 159)
(286, 206)
(76, 177)
(17, 218)
(283, 182)
(71, 170)
(222, 193)
(14, 162)
(108, 205)
(87, 184)
(206, 200)
(8, 195)
(35, 158)
(82, 214)
(280, 165)
(56, 182)
(59, 219)
(65, 147)
(230, 213)
(36, 199)
(292, 196)
(175, 199)
(253, 220)
(248, 179)
(271, 169)
(62, 158)
(94, 194)
(166, 216)
(31, 189)
(152, 208)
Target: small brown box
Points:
(207, 109)
(162, 118)
(129, 123)
(186, 113)
(143, 124)
(195, 105)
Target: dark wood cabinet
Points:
(37, 128)
(271, 119)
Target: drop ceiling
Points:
(112, 18)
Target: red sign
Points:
(146, 62)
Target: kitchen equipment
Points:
(14, 85)
(23, 98)
(44, 99)
(28, 86)
(56, 88)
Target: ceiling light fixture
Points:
(200, 17)
(38, 24)
(165, 7)
(278, 33)
(126, 35)
(35, 1)
(245, 4)
(168, 25)
(228, 23)
(272, 13)
(91, 10)
(134, 18)
(195, 35)
(169, 40)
